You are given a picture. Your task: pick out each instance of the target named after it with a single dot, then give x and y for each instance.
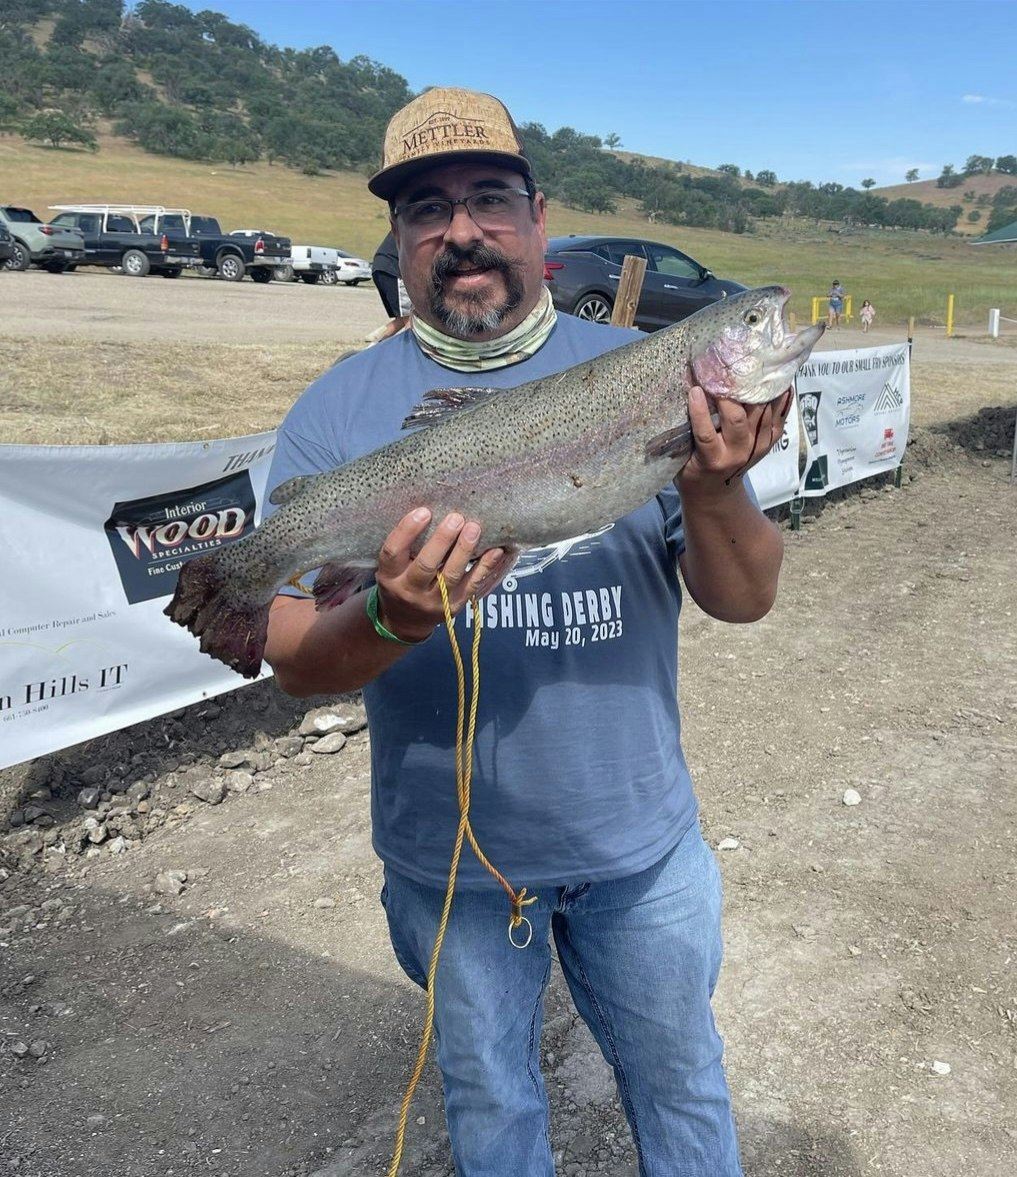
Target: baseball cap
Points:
(443, 124)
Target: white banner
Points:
(91, 537)
(856, 408)
(775, 478)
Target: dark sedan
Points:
(6, 246)
(582, 274)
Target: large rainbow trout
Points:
(537, 464)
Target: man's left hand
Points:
(743, 437)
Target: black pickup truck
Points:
(114, 237)
(228, 255)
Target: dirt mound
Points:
(990, 430)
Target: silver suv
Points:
(48, 246)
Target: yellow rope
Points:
(464, 772)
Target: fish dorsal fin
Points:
(286, 491)
(440, 403)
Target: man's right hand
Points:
(337, 650)
(409, 599)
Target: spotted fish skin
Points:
(536, 464)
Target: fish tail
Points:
(230, 628)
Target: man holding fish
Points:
(580, 788)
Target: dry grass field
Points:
(123, 361)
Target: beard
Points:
(478, 313)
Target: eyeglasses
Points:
(494, 208)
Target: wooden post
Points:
(629, 289)
(949, 315)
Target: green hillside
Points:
(156, 104)
(194, 87)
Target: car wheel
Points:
(594, 307)
(70, 267)
(54, 267)
(284, 274)
(231, 268)
(20, 259)
(135, 264)
(261, 275)
(329, 277)
(172, 272)
(310, 279)
(355, 282)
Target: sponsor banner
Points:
(775, 478)
(92, 538)
(855, 408)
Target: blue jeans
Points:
(641, 957)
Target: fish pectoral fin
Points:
(288, 490)
(675, 443)
(335, 583)
(439, 403)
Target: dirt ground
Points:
(245, 1016)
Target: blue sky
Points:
(824, 91)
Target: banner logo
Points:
(887, 447)
(889, 400)
(152, 537)
(809, 404)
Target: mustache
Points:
(484, 257)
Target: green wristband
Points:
(379, 629)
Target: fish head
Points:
(743, 348)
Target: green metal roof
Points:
(998, 236)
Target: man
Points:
(580, 789)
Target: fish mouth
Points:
(794, 343)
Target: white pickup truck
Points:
(319, 263)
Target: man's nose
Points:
(462, 228)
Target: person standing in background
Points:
(390, 287)
(836, 305)
(866, 314)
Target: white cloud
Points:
(984, 100)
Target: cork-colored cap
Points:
(444, 124)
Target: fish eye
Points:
(752, 318)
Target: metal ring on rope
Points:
(529, 932)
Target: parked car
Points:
(352, 270)
(116, 239)
(322, 263)
(582, 274)
(226, 255)
(6, 246)
(48, 246)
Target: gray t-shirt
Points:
(578, 773)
